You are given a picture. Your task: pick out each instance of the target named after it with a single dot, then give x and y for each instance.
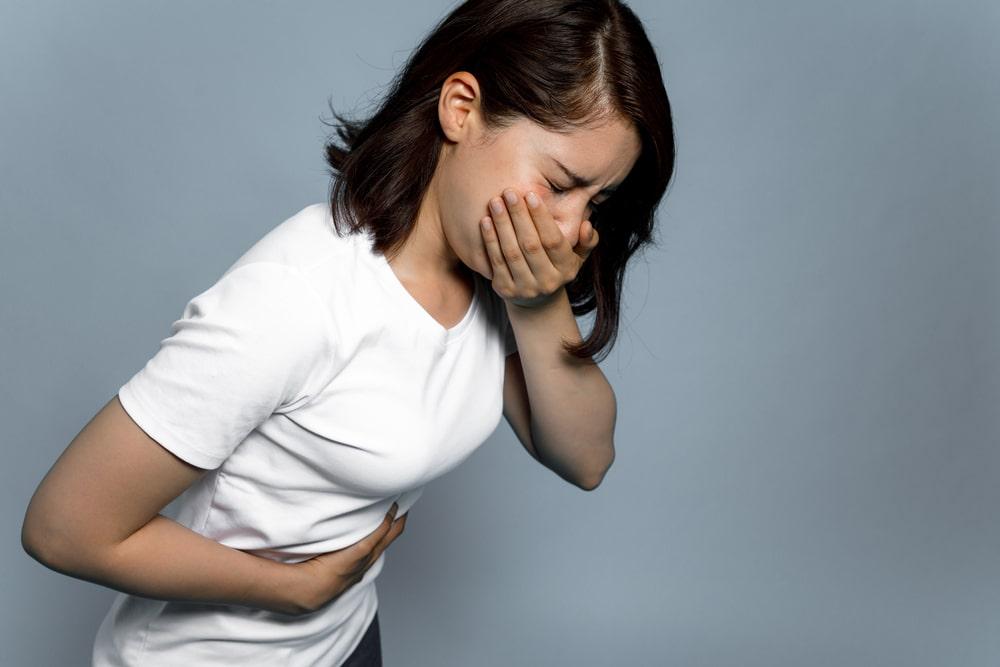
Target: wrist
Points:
(548, 308)
(279, 587)
(539, 306)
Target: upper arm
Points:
(109, 482)
(252, 344)
(516, 408)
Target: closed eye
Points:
(595, 206)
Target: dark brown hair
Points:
(560, 63)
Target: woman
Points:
(369, 344)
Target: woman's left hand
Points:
(530, 257)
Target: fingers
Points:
(498, 265)
(343, 568)
(373, 544)
(515, 257)
(526, 248)
(549, 234)
(527, 235)
(371, 541)
(524, 232)
(395, 529)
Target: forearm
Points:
(573, 407)
(165, 560)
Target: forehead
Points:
(604, 152)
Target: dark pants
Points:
(369, 652)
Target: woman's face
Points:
(474, 168)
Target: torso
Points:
(403, 399)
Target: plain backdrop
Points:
(808, 369)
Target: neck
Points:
(426, 253)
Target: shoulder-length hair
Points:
(560, 63)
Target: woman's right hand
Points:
(326, 576)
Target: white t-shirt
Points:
(318, 391)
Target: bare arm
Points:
(95, 516)
(562, 409)
(516, 408)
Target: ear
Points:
(459, 106)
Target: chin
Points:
(487, 269)
(484, 272)
(478, 262)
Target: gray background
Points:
(808, 468)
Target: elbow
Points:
(34, 544)
(46, 543)
(34, 528)
(31, 537)
(591, 483)
(594, 480)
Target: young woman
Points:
(368, 344)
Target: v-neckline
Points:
(447, 334)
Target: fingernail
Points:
(496, 205)
(509, 197)
(532, 199)
(395, 506)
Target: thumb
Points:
(587, 240)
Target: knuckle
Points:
(512, 255)
(549, 286)
(532, 246)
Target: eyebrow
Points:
(579, 181)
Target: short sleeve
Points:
(252, 344)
